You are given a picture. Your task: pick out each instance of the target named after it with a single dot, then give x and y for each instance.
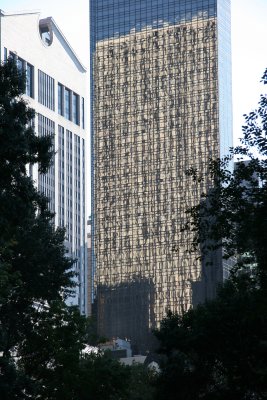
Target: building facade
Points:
(56, 83)
(161, 90)
(90, 288)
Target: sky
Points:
(249, 50)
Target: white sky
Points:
(249, 35)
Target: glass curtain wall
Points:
(155, 113)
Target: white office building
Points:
(56, 87)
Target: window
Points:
(46, 95)
(67, 104)
(46, 182)
(61, 175)
(46, 35)
(12, 56)
(20, 65)
(82, 112)
(29, 80)
(75, 108)
(24, 68)
(60, 99)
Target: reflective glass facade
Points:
(161, 92)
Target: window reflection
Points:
(156, 114)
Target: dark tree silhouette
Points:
(41, 339)
(219, 349)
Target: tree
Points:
(219, 349)
(103, 378)
(232, 215)
(34, 270)
(41, 338)
(118, 381)
(142, 382)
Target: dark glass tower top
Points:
(120, 17)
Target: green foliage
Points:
(51, 354)
(35, 274)
(42, 340)
(232, 214)
(142, 383)
(219, 350)
(103, 378)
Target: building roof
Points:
(49, 21)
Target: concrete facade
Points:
(57, 90)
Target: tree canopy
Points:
(219, 349)
(41, 338)
(232, 214)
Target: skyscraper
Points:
(56, 84)
(161, 90)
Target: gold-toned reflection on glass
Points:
(155, 115)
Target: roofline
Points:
(50, 19)
(13, 14)
(65, 40)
